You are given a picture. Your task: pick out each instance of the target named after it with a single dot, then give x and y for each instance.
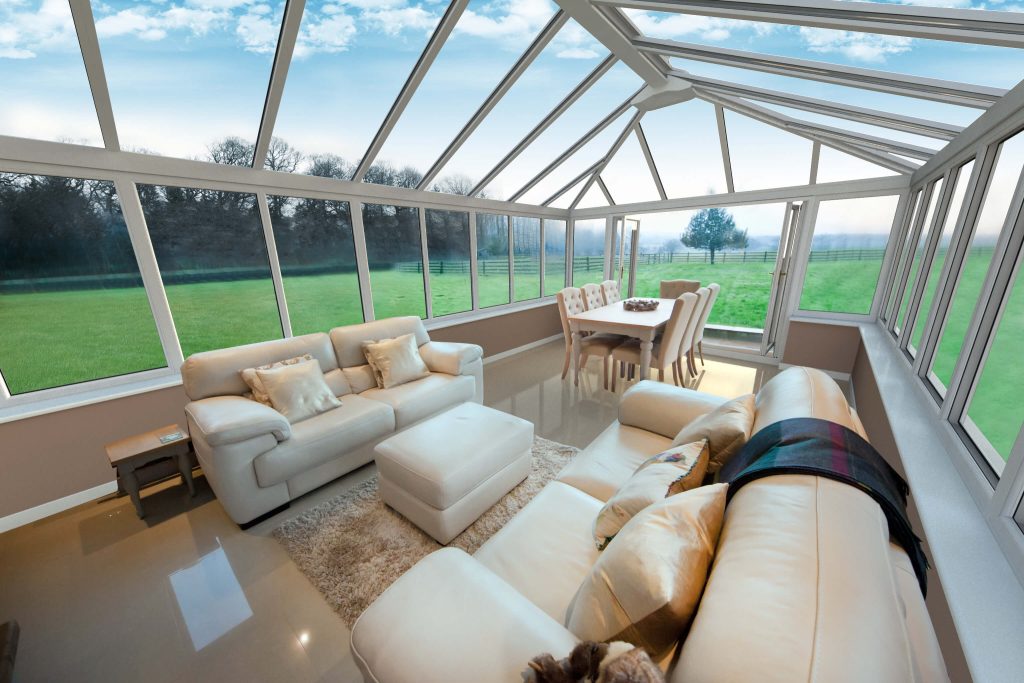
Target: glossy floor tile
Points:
(185, 595)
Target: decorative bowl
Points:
(640, 304)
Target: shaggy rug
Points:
(353, 546)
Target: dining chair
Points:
(665, 351)
(592, 297)
(571, 302)
(611, 292)
(672, 289)
(702, 294)
(698, 336)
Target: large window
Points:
(214, 264)
(850, 236)
(554, 256)
(318, 262)
(395, 258)
(931, 277)
(451, 288)
(492, 259)
(526, 250)
(1004, 178)
(918, 256)
(72, 306)
(588, 251)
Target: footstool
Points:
(445, 472)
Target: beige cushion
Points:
(256, 390)
(674, 471)
(727, 429)
(611, 459)
(298, 391)
(360, 378)
(645, 587)
(395, 361)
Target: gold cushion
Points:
(676, 470)
(727, 429)
(646, 586)
(298, 391)
(395, 361)
(258, 392)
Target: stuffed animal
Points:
(591, 662)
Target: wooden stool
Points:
(132, 455)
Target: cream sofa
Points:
(805, 585)
(256, 461)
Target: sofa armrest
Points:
(449, 618)
(663, 408)
(450, 357)
(232, 419)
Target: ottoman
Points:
(445, 472)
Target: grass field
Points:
(56, 338)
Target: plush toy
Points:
(592, 662)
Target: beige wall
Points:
(51, 456)
(823, 345)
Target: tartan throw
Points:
(826, 449)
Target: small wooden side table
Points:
(135, 452)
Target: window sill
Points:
(985, 596)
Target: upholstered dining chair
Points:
(571, 302)
(702, 294)
(611, 292)
(673, 289)
(665, 351)
(592, 297)
(698, 336)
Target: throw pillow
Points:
(645, 588)
(298, 391)
(360, 378)
(395, 361)
(727, 429)
(676, 470)
(257, 392)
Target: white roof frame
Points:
(278, 75)
(572, 183)
(630, 126)
(646, 149)
(85, 27)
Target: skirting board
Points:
(55, 506)
(520, 349)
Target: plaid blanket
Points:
(825, 449)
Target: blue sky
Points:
(184, 73)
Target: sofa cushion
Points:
(424, 397)
(258, 392)
(360, 378)
(297, 391)
(322, 438)
(348, 340)
(395, 361)
(611, 459)
(727, 429)
(546, 549)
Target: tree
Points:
(714, 230)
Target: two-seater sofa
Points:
(805, 585)
(256, 461)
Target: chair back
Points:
(611, 292)
(673, 289)
(683, 310)
(570, 302)
(592, 297)
(702, 295)
(698, 334)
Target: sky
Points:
(183, 74)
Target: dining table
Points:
(615, 319)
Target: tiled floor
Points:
(187, 596)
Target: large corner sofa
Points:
(256, 461)
(805, 584)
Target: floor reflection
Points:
(210, 598)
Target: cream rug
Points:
(353, 547)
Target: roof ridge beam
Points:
(949, 92)
(982, 27)
(518, 69)
(874, 117)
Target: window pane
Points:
(492, 259)
(185, 80)
(554, 256)
(72, 306)
(318, 262)
(45, 90)
(451, 289)
(526, 249)
(755, 149)
(669, 147)
(588, 252)
(850, 236)
(931, 281)
(1000, 190)
(902, 256)
(835, 166)
(627, 176)
(213, 260)
(395, 258)
(915, 264)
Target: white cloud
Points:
(510, 20)
(331, 33)
(863, 47)
(396, 20)
(577, 53)
(685, 25)
(258, 31)
(24, 32)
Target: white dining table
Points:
(615, 319)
